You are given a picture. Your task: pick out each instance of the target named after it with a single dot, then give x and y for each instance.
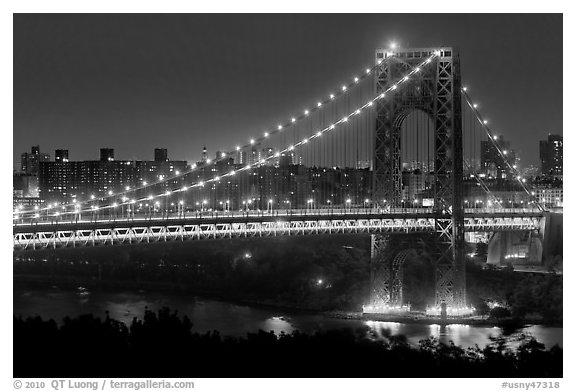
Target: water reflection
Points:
(237, 320)
(277, 324)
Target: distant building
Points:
(25, 193)
(550, 197)
(30, 160)
(204, 154)
(551, 153)
(26, 184)
(414, 185)
(65, 180)
(492, 163)
(160, 155)
(106, 154)
(61, 155)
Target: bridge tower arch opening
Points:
(434, 90)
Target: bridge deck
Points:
(226, 225)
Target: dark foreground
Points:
(164, 345)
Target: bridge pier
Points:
(387, 256)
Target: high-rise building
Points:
(551, 156)
(492, 163)
(106, 154)
(204, 154)
(64, 180)
(30, 160)
(160, 155)
(61, 155)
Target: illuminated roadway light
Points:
(428, 61)
(277, 154)
(232, 172)
(318, 134)
(114, 205)
(168, 192)
(304, 141)
(201, 184)
(344, 119)
(406, 78)
(291, 148)
(357, 112)
(394, 87)
(382, 95)
(332, 126)
(417, 70)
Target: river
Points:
(237, 320)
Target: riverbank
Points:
(422, 318)
(72, 283)
(159, 343)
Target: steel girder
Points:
(54, 237)
(387, 257)
(436, 91)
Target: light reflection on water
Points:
(237, 320)
(277, 324)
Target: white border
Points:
(230, 6)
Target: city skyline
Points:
(160, 100)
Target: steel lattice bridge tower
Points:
(435, 90)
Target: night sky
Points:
(136, 82)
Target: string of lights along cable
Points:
(338, 93)
(298, 142)
(503, 153)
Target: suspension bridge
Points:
(406, 123)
